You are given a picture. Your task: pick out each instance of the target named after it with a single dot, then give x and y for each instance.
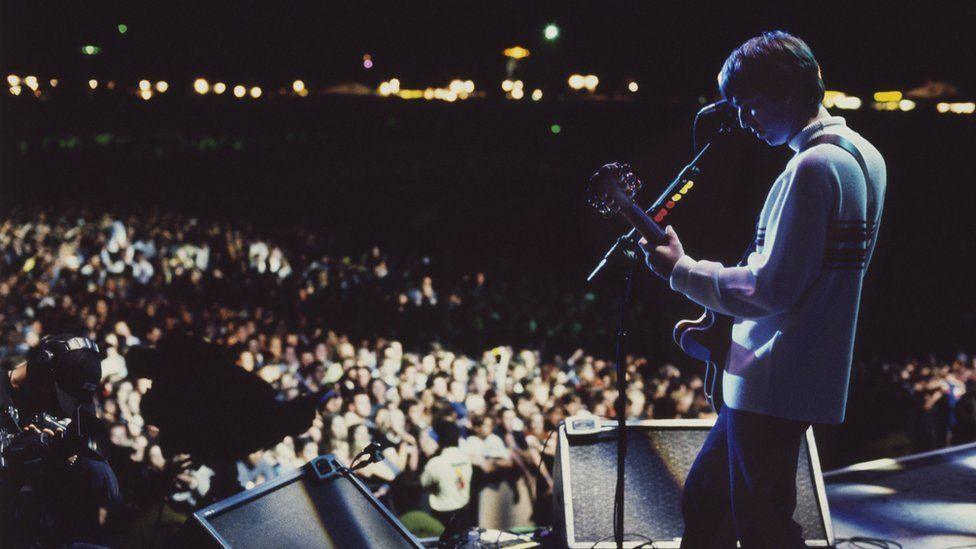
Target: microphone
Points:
(373, 452)
(718, 107)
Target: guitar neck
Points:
(646, 226)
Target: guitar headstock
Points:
(612, 187)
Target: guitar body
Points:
(707, 338)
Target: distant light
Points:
(89, 49)
(590, 82)
(146, 94)
(298, 86)
(239, 91)
(13, 80)
(956, 108)
(906, 105)
(508, 85)
(468, 86)
(830, 98)
(536, 94)
(518, 93)
(429, 94)
(848, 102)
(123, 28)
(53, 82)
(518, 84)
(93, 83)
(201, 86)
(555, 128)
(219, 88)
(516, 52)
(367, 61)
(395, 85)
(385, 89)
(256, 92)
(145, 85)
(162, 86)
(885, 96)
(551, 32)
(633, 87)
(450, 97)
(576, 81)
(15, 90)
(412, 94)
(31, 82)
(110, 85)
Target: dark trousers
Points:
(743, 484)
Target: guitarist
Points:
(794, 300)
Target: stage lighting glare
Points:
(848, 102)
(15, 90)
(385, 89)
(468, 86)
(298, 86)
(31, 82)
(201, 86)
(450, 97)
(146, 94)
(536, 94)
(239, 91)
(633, 87)
(886, 96)
(516, 52)
(590, 82)
(507, 85)
(576, 81)
(942, 107)
(219, 88)
(518, 84)
(456, 86)
(830, 98)
(53, 82)
(395, 85)
(93, 83)
(162, 86)
(256, 92)
(429, 94)
(13, 80)
(518, 93)
(906, 105)
(145, 85)
(551, 32)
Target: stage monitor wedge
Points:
(659, 456)
(320, 504)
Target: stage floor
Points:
(921, 501)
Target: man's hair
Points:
(776, 65)
(448, 433)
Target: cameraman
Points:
(72, 485)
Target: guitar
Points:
(611, 191)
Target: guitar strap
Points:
(844, 143)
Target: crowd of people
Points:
(384, 345)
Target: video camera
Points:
(24, 450)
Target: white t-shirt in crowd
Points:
(448, 475)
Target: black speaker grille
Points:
(308, 513)
(658, 461)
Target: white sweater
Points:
(795, 302)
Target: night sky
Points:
(672, 48)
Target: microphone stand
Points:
(627, 244)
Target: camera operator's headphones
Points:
(51, 348)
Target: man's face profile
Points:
(772, 120)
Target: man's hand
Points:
(662, 257)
